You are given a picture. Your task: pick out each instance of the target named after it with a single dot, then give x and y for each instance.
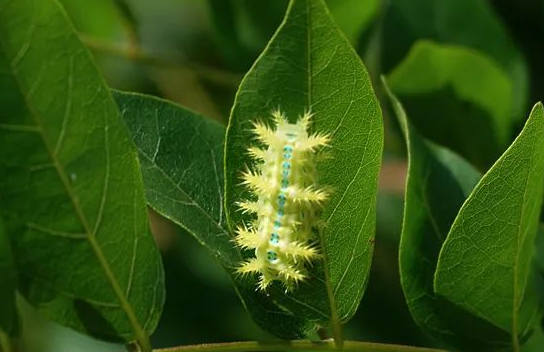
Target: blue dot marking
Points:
(277, 224)
(272, 256)
(275, 238)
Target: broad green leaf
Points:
(8, 285)
(485, 264)
(309, 64)
(438, 182)
(70, 186)
(353, 16)
(407, 21)
(456, 97)
(181, 159)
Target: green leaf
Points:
(70, 185)
(8, 285)
(485, 264)
(407, 21)
(456, 97)
(181, 159)
(353, 16)
(309, 64)
(438, 182)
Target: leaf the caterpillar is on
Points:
(285, 200)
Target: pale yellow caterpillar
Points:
(285, 200)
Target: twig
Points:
(327, 345)
(134, 53)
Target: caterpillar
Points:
(285, 200)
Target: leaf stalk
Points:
(296, 345)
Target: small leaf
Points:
(70, 186)
(181, 159)
(309, 64)
(8, 285)
(407, 21)
(437, 184)
(353, 16)
(456, 97)
(485, 264)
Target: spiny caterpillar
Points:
(285, 202)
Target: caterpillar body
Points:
(285, 201)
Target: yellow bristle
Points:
(309, 195)
(247, 239)
(300, 250)
(264, 282)
(256, 182)
(292, 275)
(263, 133)
(253, 265)
(256, 153)
(305, 120)
(279, 117)
(314, 141)
(248, 207)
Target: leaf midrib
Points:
(335, 319)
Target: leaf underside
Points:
(438, 183)
(485, 265)
(308, 64)
(72, 194)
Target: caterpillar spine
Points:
(285, 201)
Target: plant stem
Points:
(134, 53)
(306, 345)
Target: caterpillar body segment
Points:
(285, 200)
